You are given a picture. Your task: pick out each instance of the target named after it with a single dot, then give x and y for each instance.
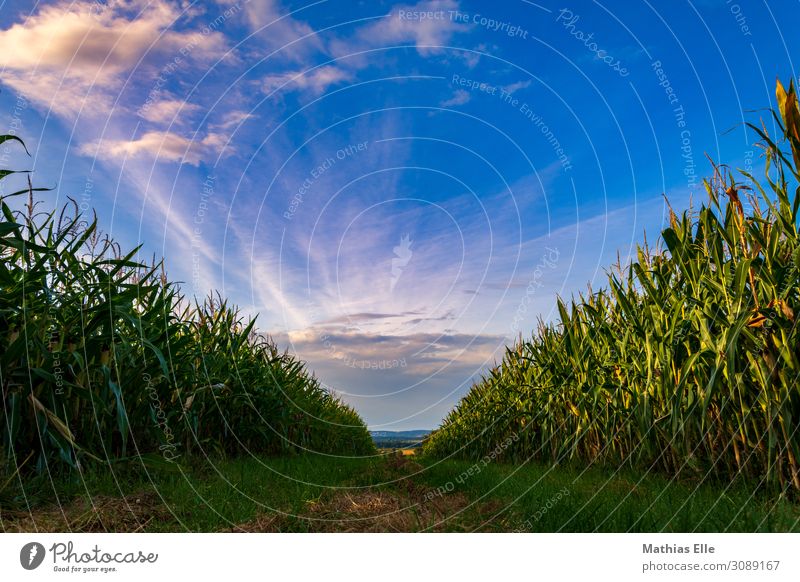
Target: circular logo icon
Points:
(31, 555)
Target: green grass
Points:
(281, 493)
(599, 500)
(219, 494)
(237, 491)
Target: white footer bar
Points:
(400, 557)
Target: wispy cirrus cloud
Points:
(230, 120)
(364, 317)
(168, 110)
(163, 146)
(280, 30)
(393, 28)
(315, 80)
(427, 35)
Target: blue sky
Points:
(396, 189)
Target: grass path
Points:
(395, 494)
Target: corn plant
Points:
(102, 359)
(688, 361)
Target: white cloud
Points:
(160, 146)
(421, 353)
(514, 87)
(471, 59)
(231, 119)
(167, 110)
(459, 98)
(73, 55)
(427, 34)
(316, 80)
(280, 29)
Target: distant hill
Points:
(388, 439)
(417, 434)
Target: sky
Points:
(396, 190)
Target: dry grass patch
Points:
(98, 514)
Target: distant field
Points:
(398, 439)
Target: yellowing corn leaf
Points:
(56, 422)
(780, 304)
(787, 103)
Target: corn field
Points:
(688, 362)
(103, 360)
